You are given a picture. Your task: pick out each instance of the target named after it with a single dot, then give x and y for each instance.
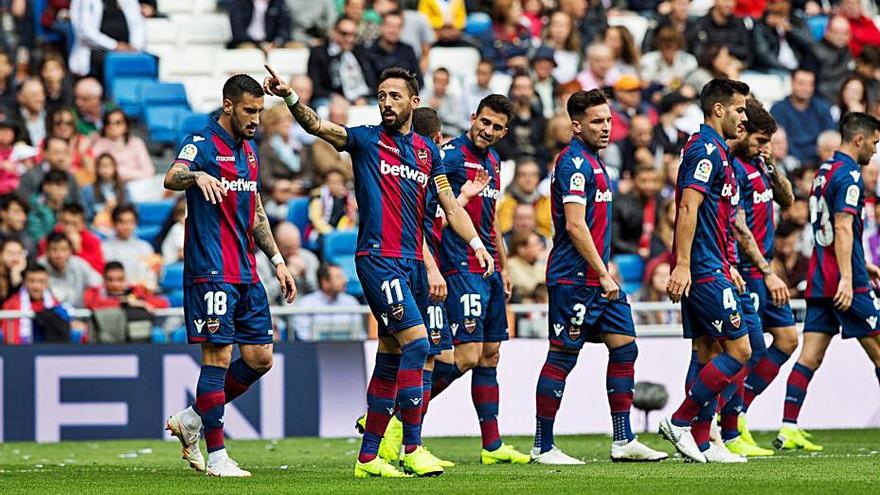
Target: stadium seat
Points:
(128, 94)
(204, 93)
(163, 94)
(154, 212)
(211, 29)
(129, 65)
(340, 243)
(147, 232)
(634, 23)
(172, 278)
(247, 61)
(193, 122)
(298, 213)
(461, 62)
(160, 32)
(163, 122)
(178, 335)
(158, 336)
(183, 65)
(500, 83)
(363, 115)
(347, 264)
(630, 267)
(289, 61)
(43, 35)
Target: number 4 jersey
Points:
(837, 188)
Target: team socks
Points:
(551, 386)
(210, 400)
(619, 383)
(711, 380)
(444, 375)
(762, 374)
(702, 424)
(796, 392)
(381, 394)
(427, 377)
(484, 392)
(409, 391)
(733, 405)
(239, 377)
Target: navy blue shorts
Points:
(439, 335)
(477, 308)
(580, 314)
(396, 290)
(772, 316)
(752, 321)
(223, 313)
(860, 320)
(713, 309)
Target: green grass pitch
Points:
(849, 464)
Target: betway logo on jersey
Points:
(491, 193)
(404, 172)
(603, 196)
(762, 197)
(239, 185)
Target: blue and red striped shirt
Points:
(392, 175)
(462, 160)
(756, 196)
(704, 168)
(837, 188)
(219, 241)
(579, 177)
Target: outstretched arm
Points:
(334, 134)
(266, 242)
(179, 177)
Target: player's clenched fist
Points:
(610, 289)
(679, 283)
(212, 189)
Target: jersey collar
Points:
(840, 156)
(709, 132)
(469, 143)
(220, 131)
(581, 146)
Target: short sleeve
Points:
(438, 166)
(356, 138)
(700, 165)
(572, 175)
(846, 191)
(190, 153)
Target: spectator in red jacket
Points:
(864, 31)
(86, 245)
(117, 292)
(627, 104)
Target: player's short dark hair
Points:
(324, 271)
(426, 122)
(759, 119)
(239, 85)
(14, 198)
(853, 124)
(122, 209)
(412, 82)
(113, 265)
(55, 176)
(58, 237)
(497, 103)
(34, 267)
(74, 209)
(580, 101)
(720, 91)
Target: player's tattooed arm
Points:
(748, 245)
(266, 242)
(180, 177)
(843, 246)
(781, 187)
(334, 134)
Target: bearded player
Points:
(393, 169)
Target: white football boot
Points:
(720, 454)
(188, 436)
(222, 466)
(635, 451)
(682, 439)
(555, 456)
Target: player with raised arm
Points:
(760, 184)
(701, 277)
(393, 169)
(477, 304)
(839, 293)
(586, 304)
(224, 300)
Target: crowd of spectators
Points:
(74, 166)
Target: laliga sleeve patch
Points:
(852, 195)
(703, 170)
(577, 183)
(188, 152)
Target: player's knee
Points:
(490, 360)
(416, 349)
(466, 362)
(261, 363)
(811, 360)
(786, 342)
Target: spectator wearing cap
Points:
(599, 71)
(667, 136)
(69, 275)
(511, 40)
(721, 26)
(803, 116)
(389, 51)
(56, 156)
(783, 41)
(835, 59)
(669, 65)
(678, 18)
(101, 27)
(526, 266)
(635, 214)
(623, 157)
(331, 293)
(264, 24)
(627, 103)
(863, 28)
(72, 223)
(524, 191)
(543, 63)
(527, 129)
(341, 66)
(31, 111)
(475, 91)
(136, 255)
(51, 321)
(562, 36)
(13, 222)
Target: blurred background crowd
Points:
(95, 94)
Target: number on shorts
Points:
(435, 317)
(392, 289)
(471, 305)
(756, 301)
(216, 302)
(819, 211)
(729, 300)
(580, 311)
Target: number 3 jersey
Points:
(837, 188)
